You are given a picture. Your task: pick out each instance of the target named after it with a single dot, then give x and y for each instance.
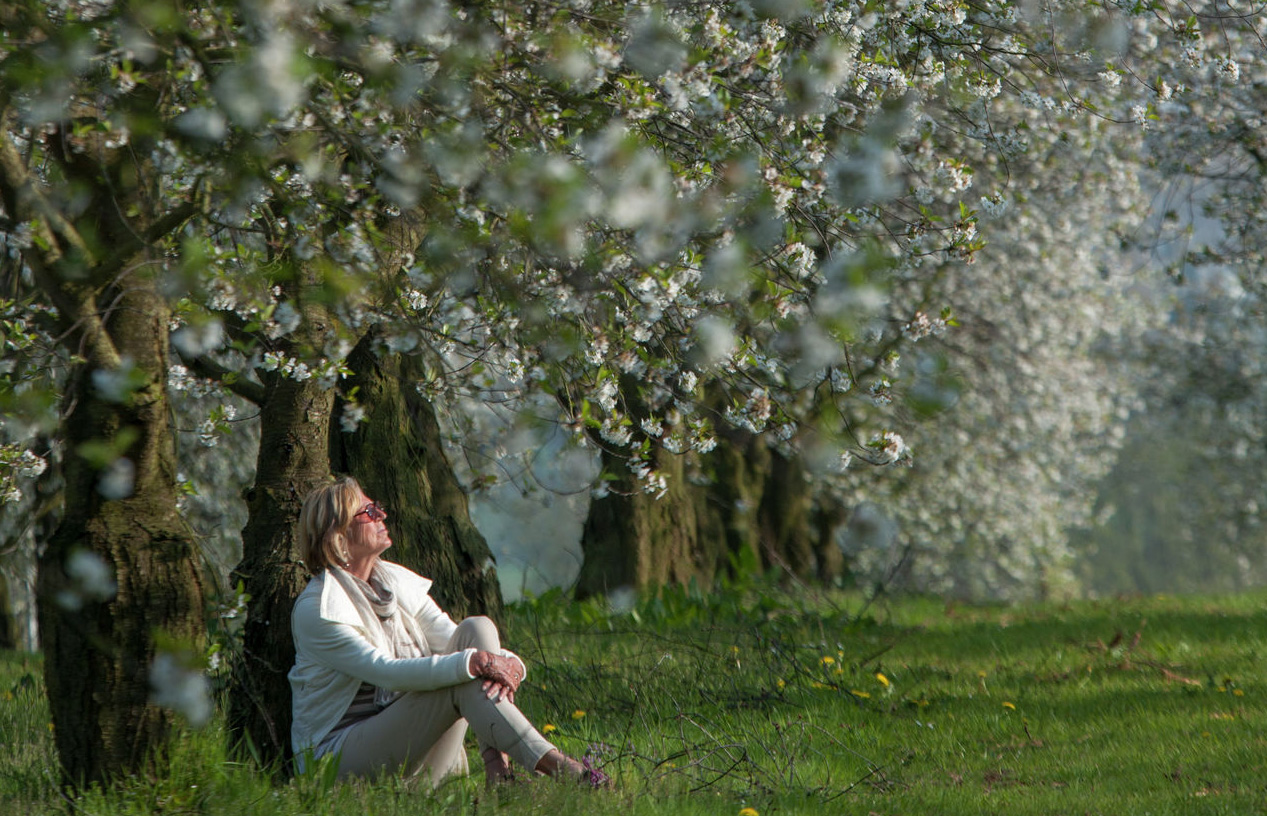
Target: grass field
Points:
(797, 703)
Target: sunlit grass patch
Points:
(772, 702)
(926, 708)
(26, 739)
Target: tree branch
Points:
(209, 369)
(161, 227)
(25, 202)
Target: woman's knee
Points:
(478, 631)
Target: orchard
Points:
(865, 292)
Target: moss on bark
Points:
(397, 455)
(293, 459)
(740, 509)
(98, 651)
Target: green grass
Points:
(771, 701)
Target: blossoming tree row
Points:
(669, 224)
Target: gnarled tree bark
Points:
(93, 257)
(293, 459)
(397, 455)
(99, 652)
(741, 508)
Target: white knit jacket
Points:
(335, 652)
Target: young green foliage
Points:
(792, 703)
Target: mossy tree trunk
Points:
(293, 459)
(397, 455)
(98, 651)
(8, 620)
(737, 510)
(633, 540)
(97, 232)
(785, 529)
(828, 516)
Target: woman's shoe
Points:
(595, 778)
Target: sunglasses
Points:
(372, 512)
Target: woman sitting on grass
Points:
(383, 679)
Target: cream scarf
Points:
(395, 632)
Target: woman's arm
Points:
(437, 627)
(340, 647)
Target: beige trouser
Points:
(423, 730)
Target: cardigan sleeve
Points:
(438, 628)
(436, 625)
(339, 646)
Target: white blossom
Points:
(91, 575)
(117, 480)
(181, 687)
(351, 417)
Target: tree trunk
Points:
(784, 524)
(734, 511)
(293, 459)
(99, 646)
(633, 540)
(295, 456)
(8, 620)
(96, 227)
(828, 516)
(397, 455)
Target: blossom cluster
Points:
(18, 465)
(679, 223)
(326, 372)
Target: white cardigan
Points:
(335, 652)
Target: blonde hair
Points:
(324, 520)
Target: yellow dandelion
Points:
(982, 674)
(734, 650)
(884, 681)
(780, 684)
(864, 695)
(1011, 706)
(1238, 693)
(828, 660)
(839, 672)
(749, 812)
(578, 714)
(548, 727)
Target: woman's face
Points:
(367, 536)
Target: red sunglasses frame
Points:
(372, 511)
